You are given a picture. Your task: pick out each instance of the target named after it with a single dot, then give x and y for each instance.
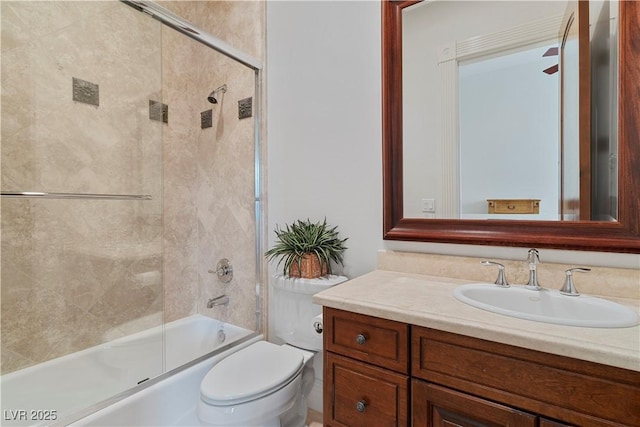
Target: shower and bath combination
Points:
(217, 93)
(132, 346)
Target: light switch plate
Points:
(429, 205)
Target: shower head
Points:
(213, 96)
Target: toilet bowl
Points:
(263, 385)
(267, 384)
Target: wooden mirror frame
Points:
(620, 236)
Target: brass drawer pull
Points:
(361, 339)
(361, 405)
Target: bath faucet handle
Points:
(569, 288)
(223, 270)
(502, 278)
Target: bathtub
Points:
(168, 402)
(50, 392)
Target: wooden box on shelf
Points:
(513, 206)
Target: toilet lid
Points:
(250, 373)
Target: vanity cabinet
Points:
(552, 387)
(366, 369)
(446, 379)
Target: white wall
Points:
(323, 121)
(324, 117)
(323, 127)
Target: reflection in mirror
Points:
(615, 128)
(482, 112)
(570, 191)
(514, 123)
(575, 114)
(604, 110)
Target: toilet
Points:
(267, 384)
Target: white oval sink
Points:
(547, 305)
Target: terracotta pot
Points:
(310, 267)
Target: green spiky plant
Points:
(305, 237)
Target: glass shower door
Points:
(81, 213)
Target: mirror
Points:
(617, 230)
(481, 102)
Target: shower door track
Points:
(177, 23)
(42, 195)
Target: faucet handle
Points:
(533, 256)
(502, 278)
(223, 270)
(569, 288)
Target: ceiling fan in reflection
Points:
(552, 51)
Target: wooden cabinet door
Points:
(436, 406)
(551, 423)
(360, 395)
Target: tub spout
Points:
(221, 300)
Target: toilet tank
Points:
(294, 312)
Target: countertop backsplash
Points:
(600, 281)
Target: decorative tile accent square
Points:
(158, 111)
(206, 119)
(86, 92)
(245, 108)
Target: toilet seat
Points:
(251, 373)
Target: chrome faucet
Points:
(569, 288)
(502, 278)
(217, 301)
(533, 258)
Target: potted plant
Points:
(307, 248)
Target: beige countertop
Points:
(428, 301)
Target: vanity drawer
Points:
(361, 395)
(369, 339)
(575, 391)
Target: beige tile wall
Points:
(209, 173)
(75, 273)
